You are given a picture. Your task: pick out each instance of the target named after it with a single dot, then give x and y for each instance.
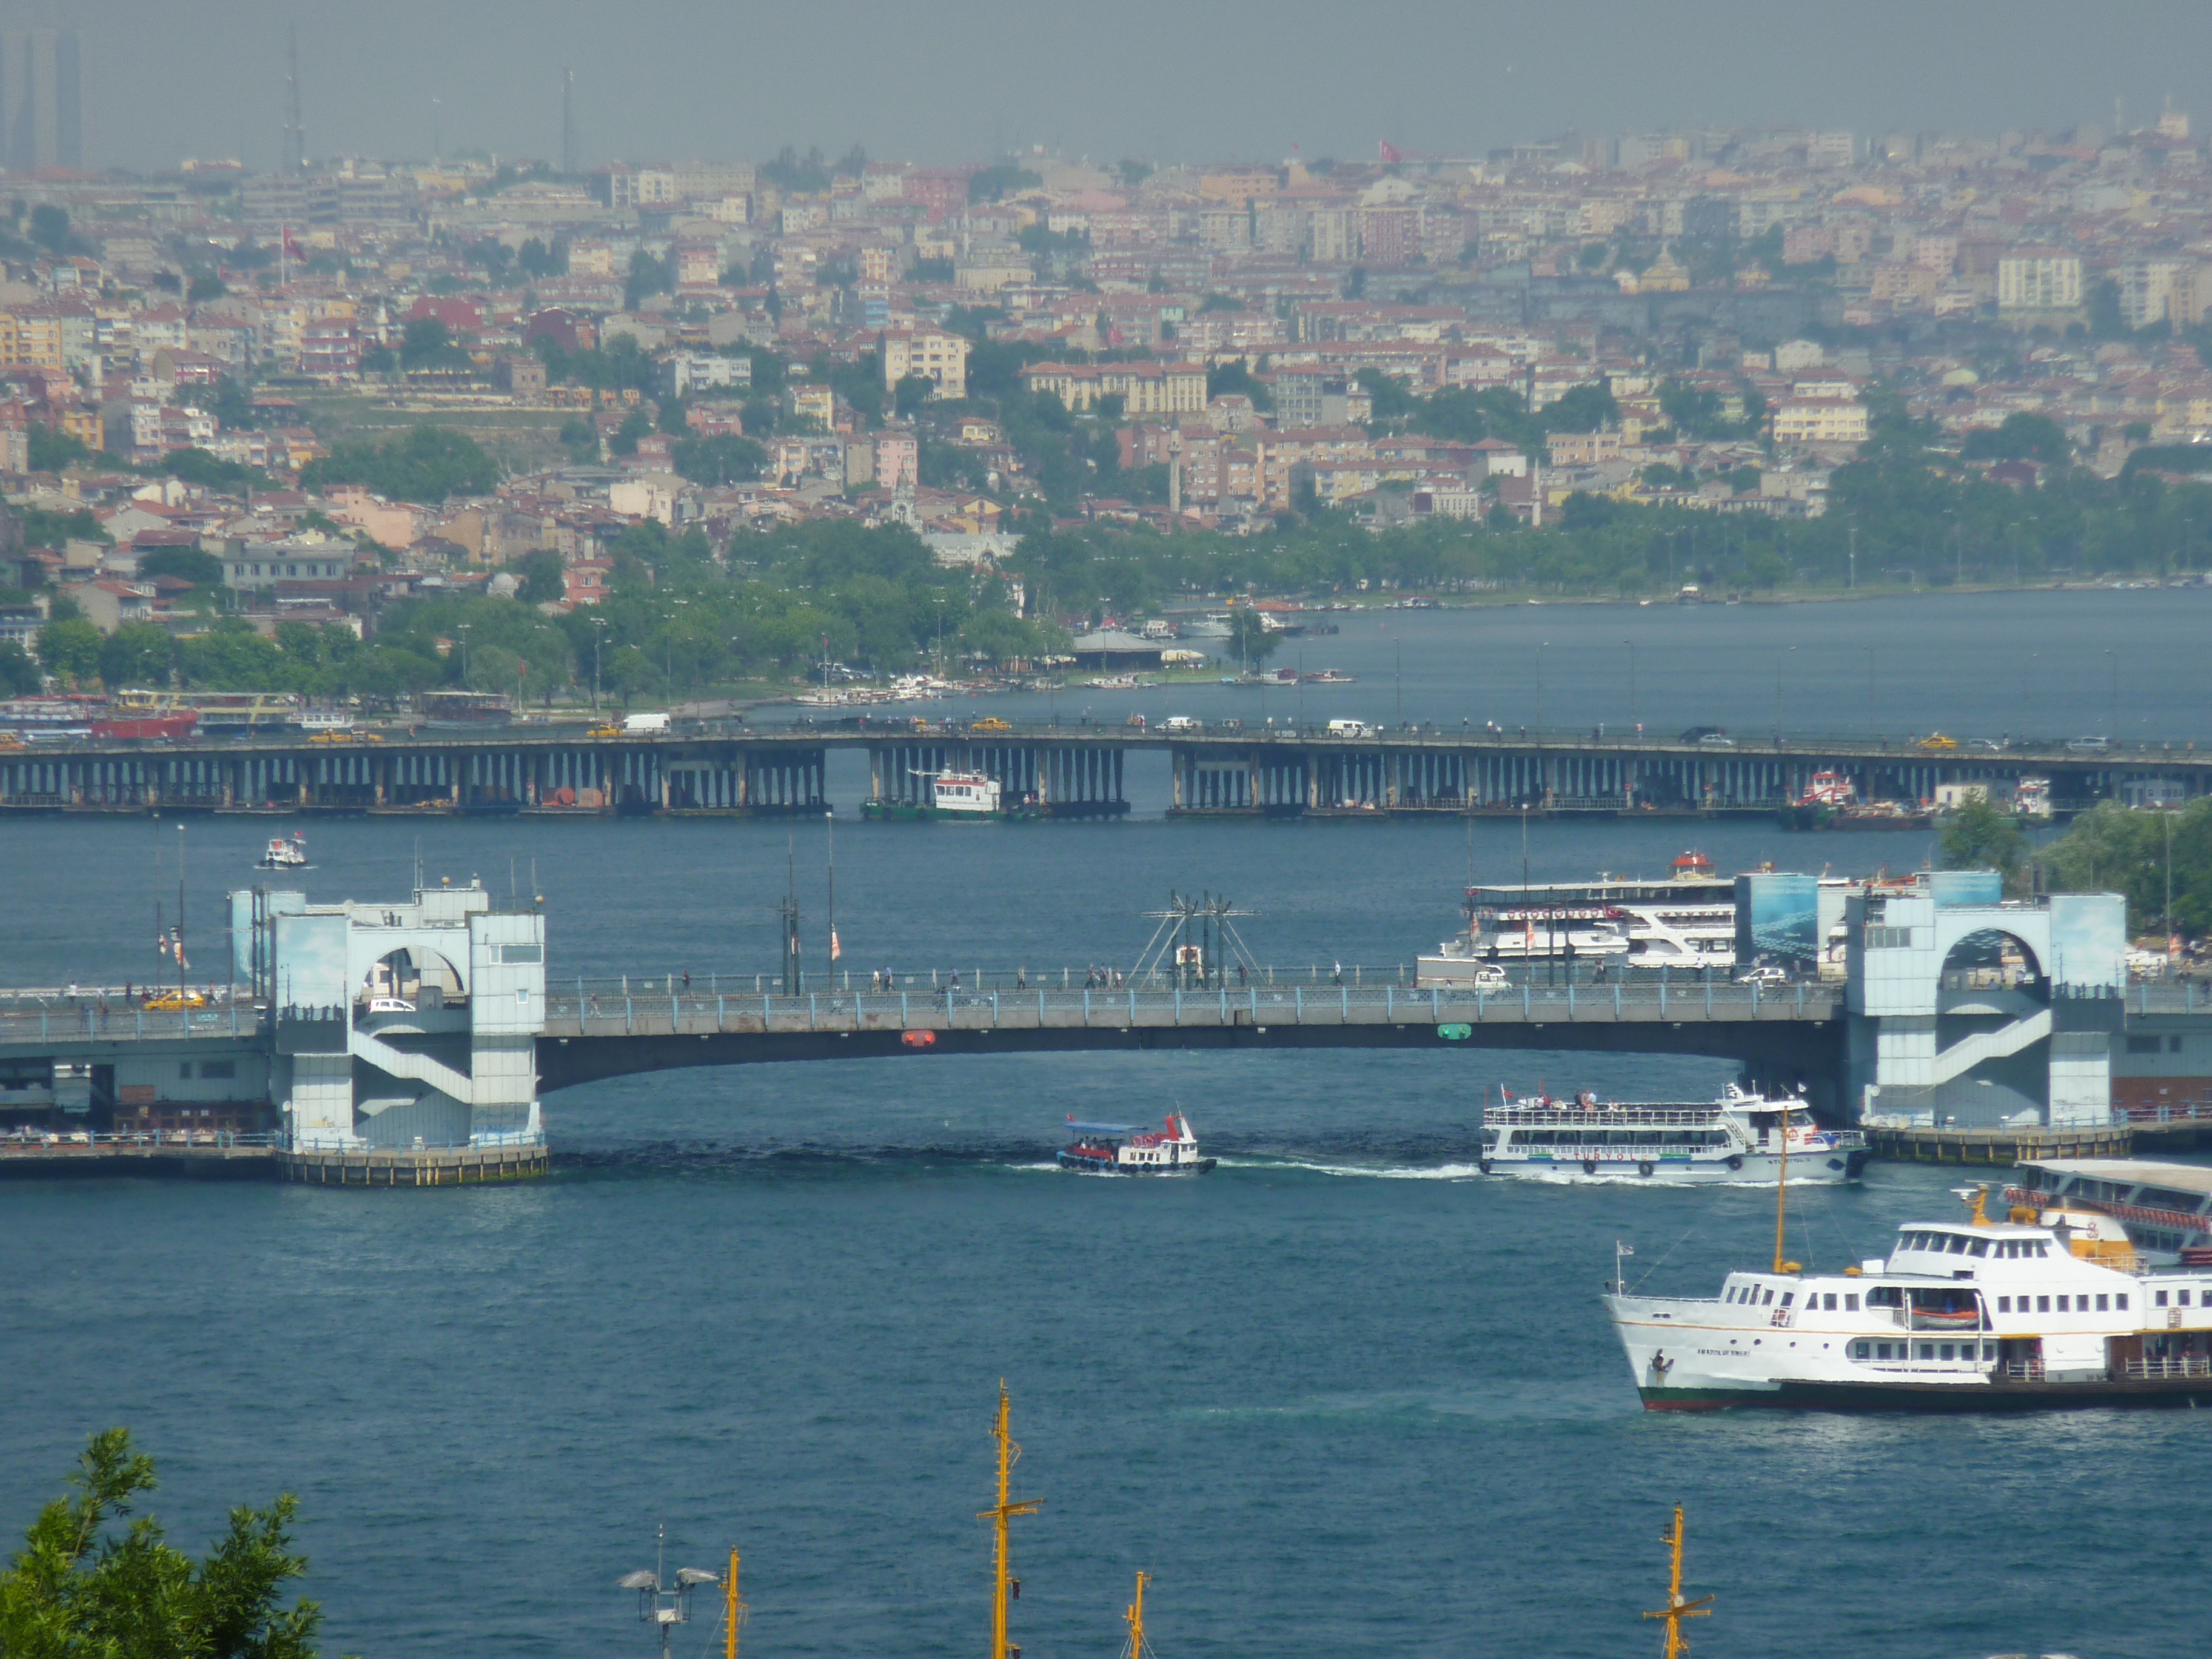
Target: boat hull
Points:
(1755, 1170)
(1101, 1166)
(897, 811)
(2191, 1393)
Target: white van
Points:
(637, 725)
(1179, 723)
(1350, 729)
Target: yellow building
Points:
(1142, 388)
(936, 357)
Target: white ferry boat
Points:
(1684, 923)
(2049, 1309)
(1132, 1150)
(1740, 1140)
(973, 797)
(2165, 1208)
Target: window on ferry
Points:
(1927, 1351)
(1881, 1350)
(1786, 1297)
(2061, 1304)
(2042, 1248)
(1767, 1300)
(2159, 1300)
(2004, 1304)
(1958, 1243)
(2181, 1299)
(1851, 1301)
(1860, 1350)
(2119, 1302)
(1979, 1246)
(1945, 1352)
(1828, 1301)
(2042, 1303)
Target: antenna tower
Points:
(1677, 1609)
(295, 126)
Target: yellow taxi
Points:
(990, 723)
(172, 1002)
(1937, 742)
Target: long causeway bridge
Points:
(1221, 769)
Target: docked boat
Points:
(284, 853)
(1132, 1150)
(1686, 923)
(169, 727)
(2165, 1209)
(2049, 1310)
(973, 797)
(1741, 1140)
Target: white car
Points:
(1766, 977)
(390, 1006)
(1179, 723)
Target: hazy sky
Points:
(1175, 80)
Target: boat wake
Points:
(1369, 1172)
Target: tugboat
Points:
(284, 855)
(1132, 1149)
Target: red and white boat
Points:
(1132, 1149)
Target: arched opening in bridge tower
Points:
(418, 976)
(1993, 994)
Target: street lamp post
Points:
(463, 630)
(1869, 650)
(1631, 644)
(598, 634)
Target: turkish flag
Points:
(1390, 152)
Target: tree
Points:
(198, 466)
(52, 449)
(137, 653)
(1251, 642)
(80, 1588)
(1976, 836)
(427, 465)
(636, 424)
(1235, 379)
(648, 276)
(50, 229)
(911, 391)
(71, 647)
(2023, 437)
(429, 345)
(19, 674)
(186, 564)
(719, 460)
(542, 576)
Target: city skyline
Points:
(391, 77)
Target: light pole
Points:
(1540, 644)
(1631, 644)
(1777, 694)
(2113, 728)
(463, 630)
(598, 634)
(1869, 650)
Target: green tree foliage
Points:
(137, 653)
(427, 465)
(796, 174)
(2117, 849)
(53, 450)
(648, 276)
(1235, 380)
(429, 345)
(70, 647)
(996, 183)
(19, 672)
(50, 229)
(621, 366)
(197, 466)
(84, 1586)
(2023, 437)
(1978, 836)
(542, 578)
(719, 460)
(1251, 642)
(634, 425)
(911, 391)
(43, 528)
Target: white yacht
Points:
(1738, 1140)
(1683, 924)
(2050, 1309)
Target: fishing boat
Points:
(2048, 1309)
(1741, 1140)
(284, 853)
(1131, 1149)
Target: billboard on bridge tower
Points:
(1777, 917)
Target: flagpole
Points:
(829, 818)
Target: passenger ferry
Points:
(1685, 922)
(2165, 1208)
(2049, 1310)
(1132, 1150)
(1741, 1140)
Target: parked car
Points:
(990, 723)
(392, 1005)
(1766, 976)
(2090, 746)
(1936, 743)
(1717, 740)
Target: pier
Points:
(1224, 769)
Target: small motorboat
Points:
(286, 855)
(1132, 1149)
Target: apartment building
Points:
(934, 356)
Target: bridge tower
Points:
(404, 1033)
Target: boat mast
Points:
(1134, 1618)
(1781, 1190)
(999, 1515)
(1677, 1609)
(734, 1609)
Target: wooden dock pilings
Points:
(1997, 1148)
(428, 1166)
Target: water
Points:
(1340, 1396)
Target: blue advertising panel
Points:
(1777, 916)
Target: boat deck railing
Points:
(1602, 1117)
(580, 1011)
(2190, 1365)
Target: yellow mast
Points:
(998, 1514)
(734, 1609)
(1677, 1609)
(1134, 1618)
(1782, 1193)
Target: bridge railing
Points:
(84, 1020)
(918, 1013)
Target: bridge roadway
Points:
(1075, 770)
(1791, 1034)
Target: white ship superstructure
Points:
(1736, 1141)
(2052, 1310)
(1686, 924)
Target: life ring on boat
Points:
(1644, 1168)
(1735, 1160)
(1589, 1166)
